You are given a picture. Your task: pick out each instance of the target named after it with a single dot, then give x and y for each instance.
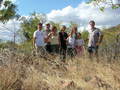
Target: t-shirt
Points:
(63, 36)
(54, 39)
(94, 37)
(39, 35)
(79, 42)
(71, 42)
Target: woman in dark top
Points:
(63, 42)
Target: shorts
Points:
(92, 49)
(40, 50)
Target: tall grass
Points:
(21, 69)
(24, 71)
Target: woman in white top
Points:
(71, 44)
(79, 45)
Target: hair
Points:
(47, 24)
(54, 28)
(74, 28)
(79, 33)
(92, 21)
(63, 27)
(40, 24)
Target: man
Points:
(48, 44)
(63, 42)
(39, 40)
(95, 39)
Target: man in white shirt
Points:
(95, 39)
(39, 40)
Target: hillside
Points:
(20, 70)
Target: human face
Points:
(48, 26)
(79, 35)
(92, 25)
(75, 29)
(63, 29)
(40, 27)
(54, 30)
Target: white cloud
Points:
(12, 0)
(83, 13)
(7, 30)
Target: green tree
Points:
(29, 24)
(8, 11)
(106, 2)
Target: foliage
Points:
(55, 24)
(106, 2)
(29, 24)
(8, 11)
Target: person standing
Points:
(95, 38)
(79, 45)
(39, 40)
(53, 37)
(71, 44)
(63, 42)
(48, 43)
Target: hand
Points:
(98, 43)
(33, 46)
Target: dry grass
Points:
(20, 71)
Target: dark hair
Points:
(54, 27)
(47, 24)
(40, 24)
(79, 33)
(92, 21)
(63, 26)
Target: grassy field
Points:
(21, 69)
(27, 72)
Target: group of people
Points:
(56, 41)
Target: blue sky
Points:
(63, 11)
(26, 7)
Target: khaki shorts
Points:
(40, 50)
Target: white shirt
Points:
(71, 41)
(94, 37)
(39, 35)
(79, 42)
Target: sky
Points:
(63, 11)
(26, 7)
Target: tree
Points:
(29, 24)
(8, 11)
(113, 3)
(55, 24)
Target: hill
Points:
(21, 69)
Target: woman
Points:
(79, 45)
(71, 44)
(63, 42)
(54, 40)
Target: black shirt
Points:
(63, 36)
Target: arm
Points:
(34, 41)
(100, 38)
(48, 37)
(59, 39)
